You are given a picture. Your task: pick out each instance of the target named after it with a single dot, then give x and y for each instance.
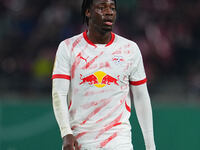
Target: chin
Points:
(107, 29)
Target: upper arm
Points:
(137, 74)
(62, 67)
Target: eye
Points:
(101, 7)
(113, 8)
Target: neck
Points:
(99, 37)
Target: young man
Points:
(97, 69)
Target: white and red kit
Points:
(99, 98)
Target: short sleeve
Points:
(62, 63)
(137, 74)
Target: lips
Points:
(108, 23)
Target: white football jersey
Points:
(99, 99)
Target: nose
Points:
(109, 11)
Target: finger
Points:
(79, 147)
(69, 147)
(76, 145)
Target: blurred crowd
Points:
(167, 32)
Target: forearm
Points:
(144, 114)
(60, 89)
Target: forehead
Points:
(96, 2)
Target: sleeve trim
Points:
(61, 76)
(138, 82)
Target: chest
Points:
(101, 65)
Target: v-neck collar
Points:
(91, 43)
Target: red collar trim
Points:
(112, 39)
(90, 42)
(87, 39)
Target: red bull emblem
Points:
(99, 79)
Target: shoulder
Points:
(127, 44)
(72, 40)
(66, 45)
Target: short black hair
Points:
(86, 5)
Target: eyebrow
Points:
(112, 2)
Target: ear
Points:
(87, 13)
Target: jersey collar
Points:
(90, 42)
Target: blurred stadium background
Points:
(168, 34)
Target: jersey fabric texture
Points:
(98, 98)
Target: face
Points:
(102, 15)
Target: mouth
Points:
(108, 22)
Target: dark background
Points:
(167, 32)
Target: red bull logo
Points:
(99, 79)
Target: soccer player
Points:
(93, 75)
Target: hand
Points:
(70, 143)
